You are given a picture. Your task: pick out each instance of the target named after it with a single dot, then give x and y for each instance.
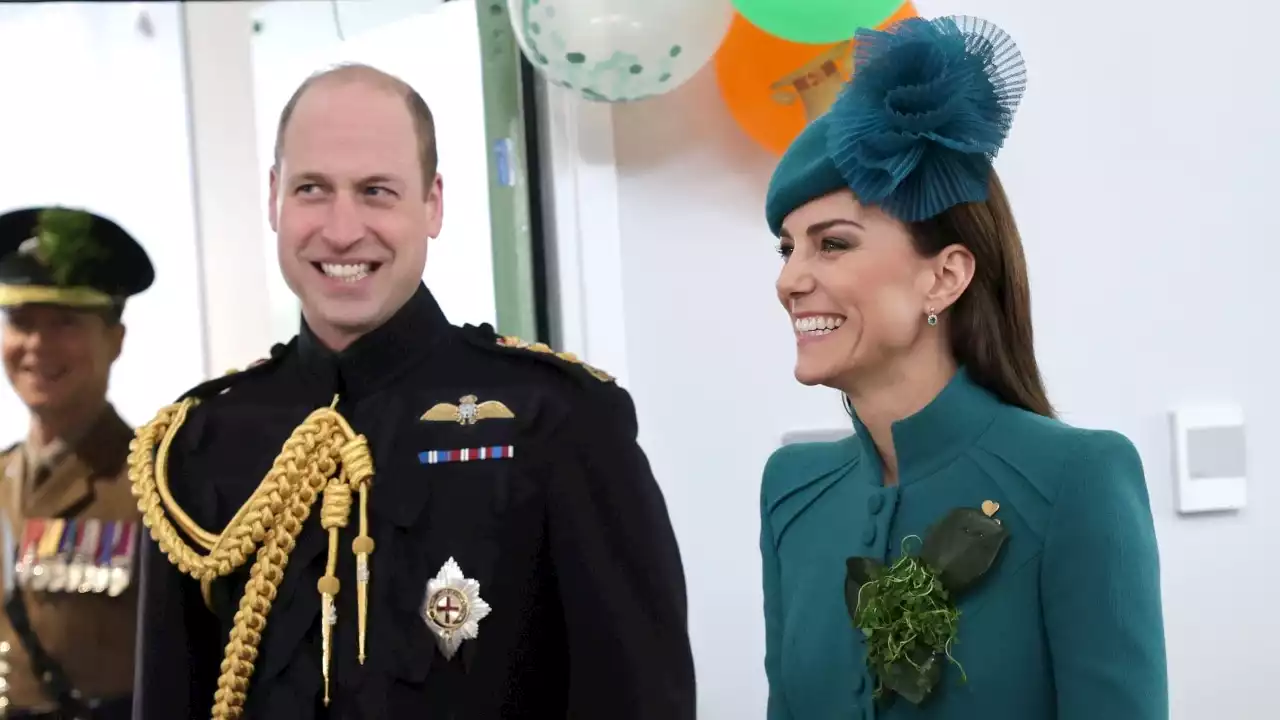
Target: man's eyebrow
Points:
(382, 179)
(308, 177)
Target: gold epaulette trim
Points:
(514, 342)
(250, 366)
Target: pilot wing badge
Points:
(468, 411)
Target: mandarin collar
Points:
(379, 357)
(939, 433)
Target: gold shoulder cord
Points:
(323, 456)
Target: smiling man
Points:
(459, 525)
(67, 631)
(354, 197)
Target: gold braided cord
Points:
(206, 539)
(321, 453)
(334, 513)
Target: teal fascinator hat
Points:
(916, 129)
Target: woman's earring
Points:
(933, 317)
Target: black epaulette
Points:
(219, 385)
(486, 338)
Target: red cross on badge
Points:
(450, 608)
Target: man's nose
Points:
(345, 224)
(33, 340)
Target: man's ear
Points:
(115, 336)
(273, 196)
(435, 207)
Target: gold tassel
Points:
(358, 467)
(334, 514)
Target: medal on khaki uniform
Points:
(122, 559)
(46, 550)
(8, 569)
(32, 531)
(80, 571)
(101, 572)
(57, 567)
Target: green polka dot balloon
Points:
(619, 50)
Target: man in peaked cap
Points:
(69, 615)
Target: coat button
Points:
(875, 503)
(869, 535)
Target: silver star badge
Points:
(453, 608)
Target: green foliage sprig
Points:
(66, 244)
(907, 611)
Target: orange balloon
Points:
(775, 87)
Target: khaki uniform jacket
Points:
(90, 634)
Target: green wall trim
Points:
(508, 172)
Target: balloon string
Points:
(337, 20)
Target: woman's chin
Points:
(814, 376)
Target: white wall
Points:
(1142, 171)
(98, 118)
(224, 148)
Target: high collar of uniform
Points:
(932, 438)
(380, 356)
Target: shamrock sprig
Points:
(66, 245)
(907, 611)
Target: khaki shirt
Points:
(90, 634)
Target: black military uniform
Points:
(523, 564)
(67, 631)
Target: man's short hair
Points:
(424, 125)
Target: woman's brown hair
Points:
(990, 325)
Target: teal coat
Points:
(1067, 625)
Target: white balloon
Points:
(620, 50)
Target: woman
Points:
(963, 555)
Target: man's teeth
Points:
(349, 272)
(818, 324)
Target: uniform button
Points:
(869, 535)
(875, 503)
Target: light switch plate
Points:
(1209, 458)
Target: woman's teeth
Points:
(818, 324)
